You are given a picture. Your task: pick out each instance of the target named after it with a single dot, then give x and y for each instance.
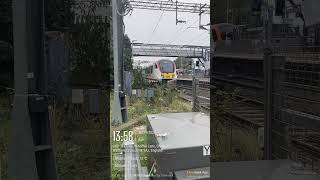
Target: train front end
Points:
(167, 70)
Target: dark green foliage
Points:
(6, 21)
(6, 43)
(90, 54)
(58, 14)
(127, 54)
(139, 78)
(5, 109)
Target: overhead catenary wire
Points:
(181, 33)
(197, 38)
(155, 28)
(190, 19)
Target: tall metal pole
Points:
(122, 95)
(268, 83)
(21, 142)
(31, 155)
(194, 88)
(116, 116)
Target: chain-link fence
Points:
(294, 106)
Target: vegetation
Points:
(89, 45)
(139, 80)
(235, 144)
(81, 143)
(127, 54)
(5, 109)
(230, 143)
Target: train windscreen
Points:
(166, 67)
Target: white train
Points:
(162, 70)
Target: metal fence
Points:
(294, 105)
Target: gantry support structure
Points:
(170, 6)
(167, 50)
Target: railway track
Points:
(203, 95)
(245, 111)
(248, 111)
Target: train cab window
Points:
(166, 67)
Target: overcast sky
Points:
(140, 27)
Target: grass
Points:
(5, 102)
(231, 143)
(235, 144)
(81, 144)
(166, 100)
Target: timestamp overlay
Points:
(167, 145)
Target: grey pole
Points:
(31, 155)
(116, 116)
(21, 157)
(121, 63)
(194, 90)
(268, 84)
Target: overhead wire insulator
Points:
(126, 8)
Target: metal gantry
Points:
(170, 6)
(167, 50)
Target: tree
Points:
(139, 79)
(59, 16)
(127, 54)
(89, 44)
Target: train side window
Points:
(155, 66)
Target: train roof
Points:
(168, 60)
(164, 60)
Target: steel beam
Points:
(168, 50)
(170, 6)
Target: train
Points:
(161, 71)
